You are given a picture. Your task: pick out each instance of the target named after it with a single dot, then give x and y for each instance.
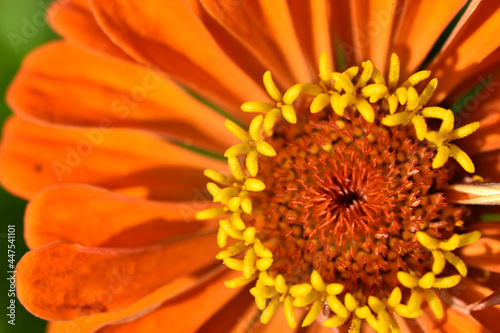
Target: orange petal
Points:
(34, 157)
(74, 20)
(474, 292)
(127, 94)
(170, 35)
(484, 108)
(481, 82)
(487, 229)
(365, 328)
(493, 299)
(372, 29)
(488, 165)
(473, 41)
(341, 32)
(138, 309)
(453, 321)
(187, 312)
(404, 323)
(91, 216)
(311, 20)
(248, 320)
(420, 26)
(487, 279)
(63, 281)
(486, 138)
(229, 43)
(483, 254)
(231, 317)
(274, 42)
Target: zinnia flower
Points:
(347, 190)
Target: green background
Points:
(14, 15)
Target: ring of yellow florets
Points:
(255, 259)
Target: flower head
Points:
(345, 190)
(336, 205)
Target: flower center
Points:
(342, 210)
(346, 201)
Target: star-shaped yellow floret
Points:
(283, 103)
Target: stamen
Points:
(427, 281)
(416, 78)
(393, 73)
(317, 281)
(335, 321)
(395, 298)
(365, 75)
(429, 90)
(375, 304)
(289, 312)
(284, 103)
(271, 88)
(342, 214)
(434, 303)
(231, 251)
(446, 282)
(337, 307)
(270, 309)
(313, 312)
(408, 280)
(355, 325)
(457, 263)
(324, 69)
(252, 146)
(439, 262)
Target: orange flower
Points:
(336, 205)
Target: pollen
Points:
(336, 199)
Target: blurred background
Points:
(18, 35)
